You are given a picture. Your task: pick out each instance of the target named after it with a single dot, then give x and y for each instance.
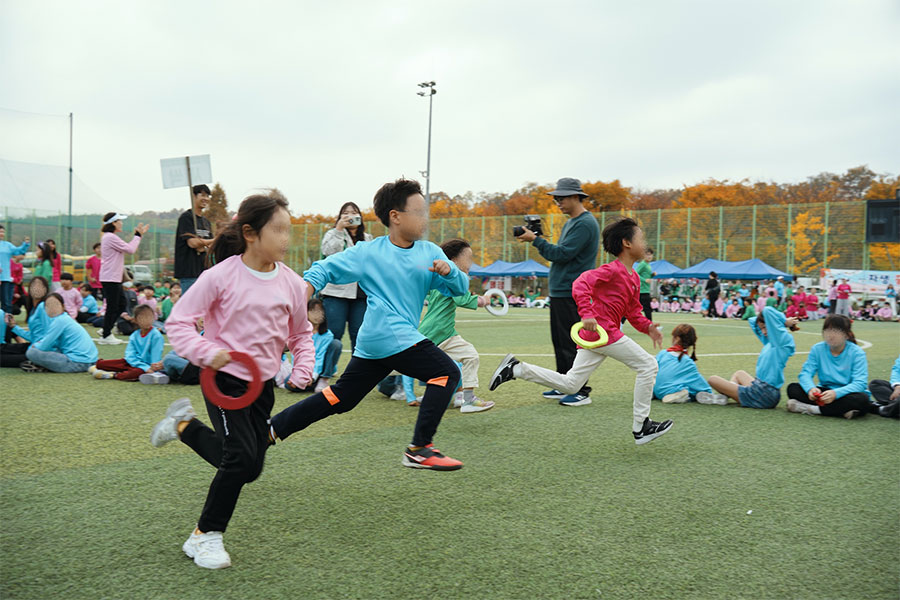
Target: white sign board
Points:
(174, 171)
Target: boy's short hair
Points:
(453, 248)
(200, 189)
(393, 196)
(174, 284)
(617, 232)
(85, 286)
(142, 308)
(66, 277)
(95, 245)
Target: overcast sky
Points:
(319, 98)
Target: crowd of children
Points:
(249, 301)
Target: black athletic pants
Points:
(237, 448)
(424, 361)
(645, 302)
(114, 305)
(564, 314)
(855, 401)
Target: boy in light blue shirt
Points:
(7, 251)
(65, 347)
(143, 354)
(396, 271)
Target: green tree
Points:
(217, 209)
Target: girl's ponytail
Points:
(687, 338)
(254, 212)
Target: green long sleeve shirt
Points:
(439, 322)
(645, 272)
(572, 255)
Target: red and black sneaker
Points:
(429, 457)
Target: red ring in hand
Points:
(215, 395)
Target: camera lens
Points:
(517, 231)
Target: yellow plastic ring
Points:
(576, 329)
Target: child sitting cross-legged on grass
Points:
(678, 380)
(143, 355)
(328, 352)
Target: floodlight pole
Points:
(429, 91)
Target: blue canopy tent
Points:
(663, 268)
(753, 269)
(527, 268)
(492, 270)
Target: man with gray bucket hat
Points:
(572, 255)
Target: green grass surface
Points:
(554, 502)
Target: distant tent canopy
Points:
(500, 268)
(663, 268)
(753, 269)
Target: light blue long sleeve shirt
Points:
(677, 375)
(89, 305)
(38, 323)
(7, 251)
(844, 374)
(395, 281)
(67, 337)
(144, 350)
(321, 341)
(895, 373)
(778, 347)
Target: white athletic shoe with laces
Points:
(167, 429)
(207, 550)
(712, 398)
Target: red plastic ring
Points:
(215, 395)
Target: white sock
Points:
(517, 370)
(468, 396)
(814, 409)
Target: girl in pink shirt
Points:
(113, 250)
(604, 296)
(250, 302)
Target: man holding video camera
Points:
(572, 255)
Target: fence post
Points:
(658, 227)
(462, 227)
(720, 232)
(825, 244)
(790, 247)
(687, 255)
(504, 238)
(753, 234)
(602, 227)
(34, 227)
(482, 240)
(865, 248)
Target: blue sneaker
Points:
(553, 395)
(575, 400)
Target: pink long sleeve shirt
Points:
(245, 311)
(607, 294)
(113, 249)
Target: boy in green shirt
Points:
(169, 302)
(439, 326)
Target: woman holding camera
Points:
(344, 304)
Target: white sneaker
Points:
(154, 378)
(477, 405)
(399, 394)
(712, 398)
(92, 369)
(167, 429)
(207, 550)
(679, 397)
(101, 374)
(795, 406)
(321, 384)
(110, 340)
(458, 400)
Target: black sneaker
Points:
(30, 367)
(651, 430)
(504, 372)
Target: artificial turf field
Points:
(553, 502)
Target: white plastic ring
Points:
(494, 310)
